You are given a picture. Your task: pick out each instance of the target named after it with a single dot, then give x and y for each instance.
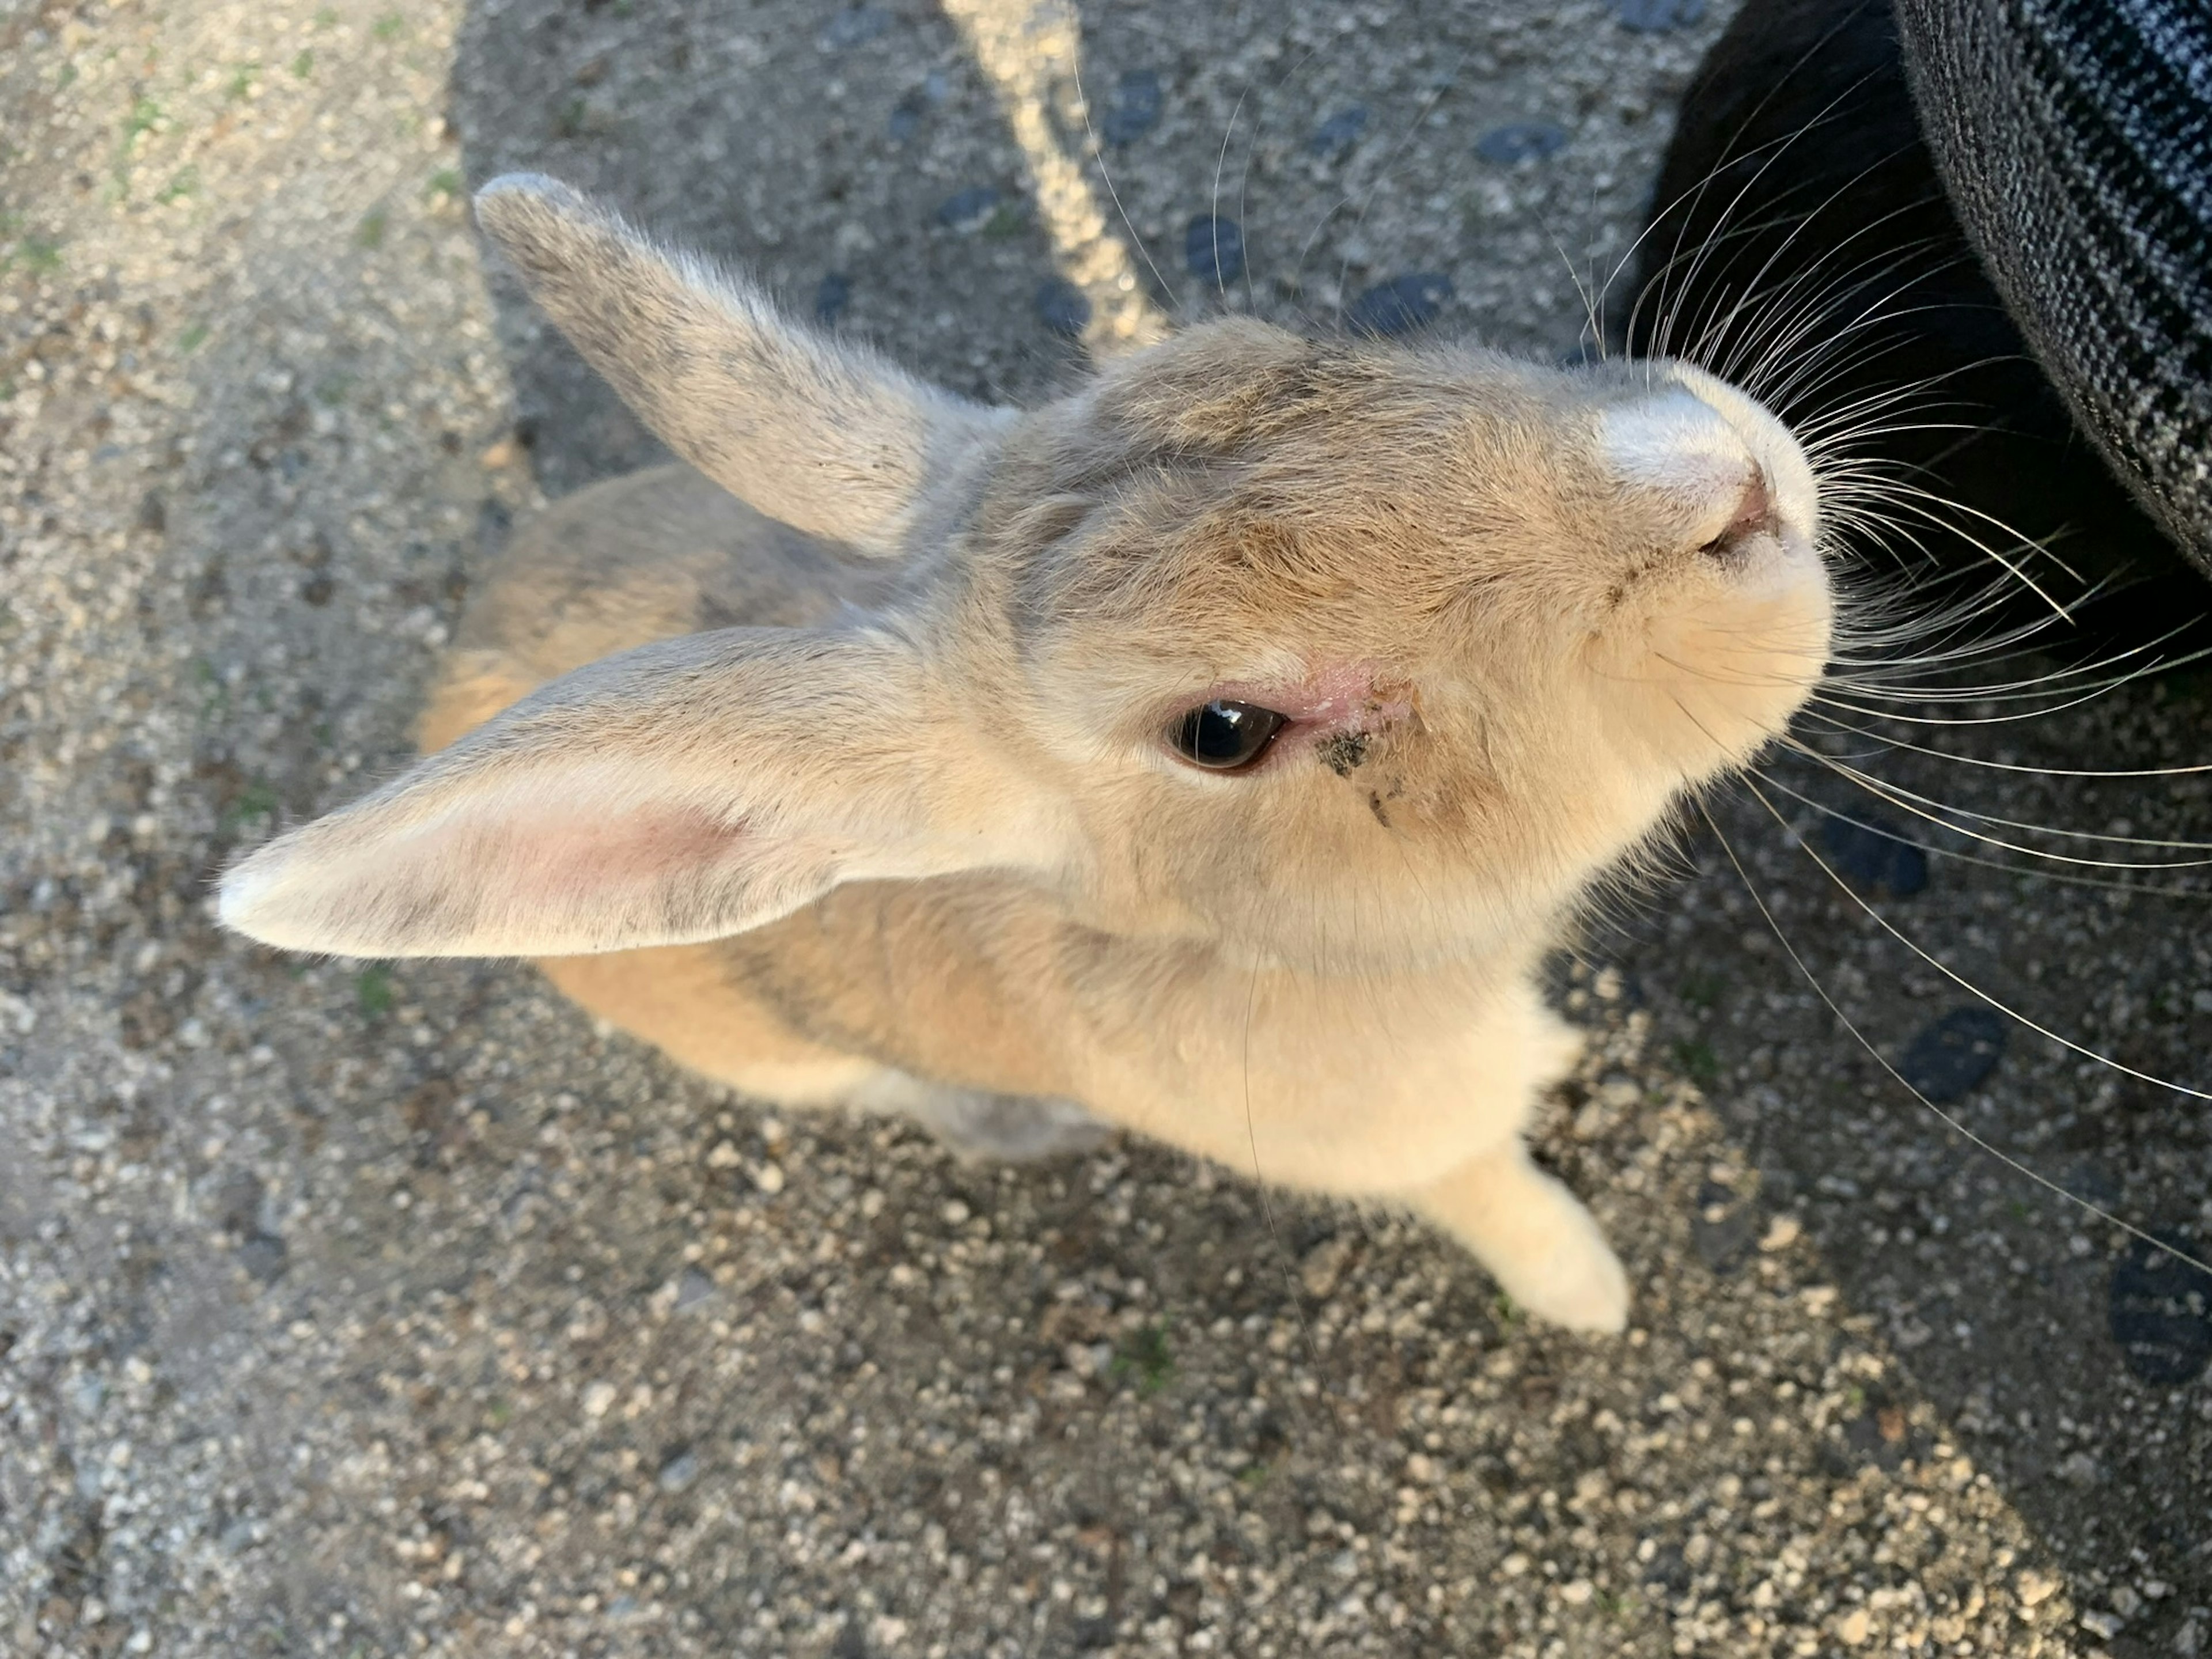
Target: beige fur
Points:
(897, 823)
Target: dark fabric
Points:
(1799, 204)
(2075, 140)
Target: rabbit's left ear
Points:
(679, 793)
(825, 436)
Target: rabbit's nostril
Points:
(1754, 515)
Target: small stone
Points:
(598, 1398)
(1781, 1231)
(1576, 1592)
(263, 1256)
(1213, 248)
(678, 1471)
(2103, 1625)
(2159, 1310)
(2034, 1588)
(769, 1178)
(853, 26)
(1951, 1056)
(1854, 1627)
(1870, 851)
(1401, 305)
(968, 210)
(317, 589)
(1658, 16)
(1062, 307)
(152, 513)
(694, 1288)
(1135, 109)
(724, 1156)
(1520, 141)
(955, 1214)
(832, 295)
(1324, 1264)
(1333, 138)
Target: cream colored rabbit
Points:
(1215, 749)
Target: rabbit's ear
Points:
(826, 437)
(678, 793)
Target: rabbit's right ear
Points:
(828, 438)
(683, 790)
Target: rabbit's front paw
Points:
(1540, 1244)
(1575, 1280)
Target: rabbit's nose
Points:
(1677, 441)
(1755, 515)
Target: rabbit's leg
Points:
(1543, 1246)
(683, 999)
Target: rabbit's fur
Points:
(884, 812)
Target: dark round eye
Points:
(1224, 736)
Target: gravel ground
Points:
(356, 1310)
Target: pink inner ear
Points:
(656, 847)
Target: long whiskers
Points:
(1949, 1120)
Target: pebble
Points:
(1400, 304)
(1333, 138)
(1520, 141)
(1323, 1269)
(1062, 307)
(1952, 1055)
(968, 210)
(1870, 852)
(1213, 248)
(263, 1256)
(1658, 16)
(1134, 110)
(678, 1471)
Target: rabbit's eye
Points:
(1224, 736)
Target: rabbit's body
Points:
(1215, 750)
(973, 1002)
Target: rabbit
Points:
(1212, 751)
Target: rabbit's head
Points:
(1340, 652)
